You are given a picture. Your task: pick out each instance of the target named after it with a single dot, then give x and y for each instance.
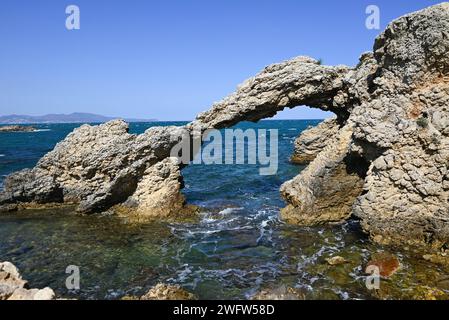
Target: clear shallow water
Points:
(238, 247)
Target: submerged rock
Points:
(437, 259)
(387, 263)
(281, 293)
(13, 287)
(336, 260)
(168, 292)
(428, 293)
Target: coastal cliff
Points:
(383, 159)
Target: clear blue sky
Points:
(168, 59)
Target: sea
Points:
(238, 248)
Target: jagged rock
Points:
(326, 189)
(32, 294)
(299, 81)
(98, 167)
(406, 191)
(158, 193)
(313, 140)
(13, 287)
(168, 292)
(10, 280)
(399, 115)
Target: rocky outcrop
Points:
(97, 167)
(325, 191)
(13, 287)
(313, 140)
(168, 292)
(398, 101)
(16, 128)
(386, 162)
(403, 130)
(386, 264)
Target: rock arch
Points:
(388, 156)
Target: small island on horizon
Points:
(76, 117)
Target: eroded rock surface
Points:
(326, 189)
(313, 140)
(398, 99)
(403, 130)
(97, 167)
(300, 81)
(13, 287)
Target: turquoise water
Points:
(238, 247)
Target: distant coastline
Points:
(76, 117)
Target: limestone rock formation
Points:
(398, 101)
(313, 140)
(386, 162)
(13, 287)
(300, 81)
(97, 167)
(326, 189)
(403, 130)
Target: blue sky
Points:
(168, 59)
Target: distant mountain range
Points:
(76, 117)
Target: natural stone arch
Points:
(393, 118)
(99, 167)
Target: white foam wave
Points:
(42, 130)
(229, 211)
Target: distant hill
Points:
(76, 117)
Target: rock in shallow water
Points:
(13, 287)
(281, 293)
(387, 263)
(168, 292)
(336, 260)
